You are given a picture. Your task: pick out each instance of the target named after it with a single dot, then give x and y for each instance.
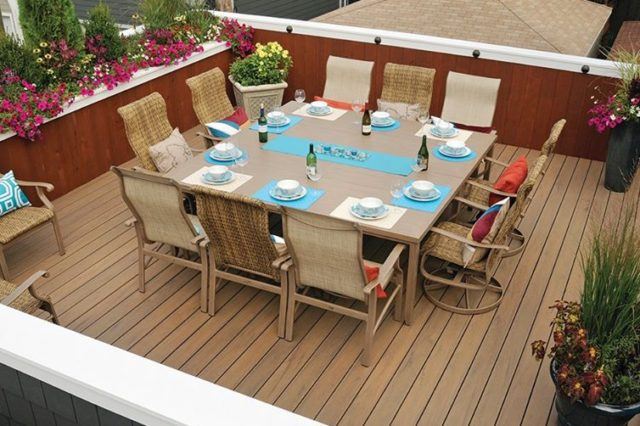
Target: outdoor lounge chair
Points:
(408, 84)
(25, 298)
(347, 79)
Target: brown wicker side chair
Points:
(470, 99)
(243, 250)
(159, 218)
(327, 255)
(549, 145)
(408, 84)
(25, 297)
(26, 220)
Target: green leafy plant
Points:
(269, 64)
(50, 20)
(621, 360)
(158, 14)
(102, 36)
(22, 61)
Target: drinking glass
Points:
(242, 160)
(396, 190)
(357, 105)
(423, 117)
(300, 96)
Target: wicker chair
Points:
(327, 255)
(243, 251)
(210, 100)
(25, 298)
(445, 243)
(27, 219)
(347, 79)
(470, 100)
(160, 218)
(549, 145)
(408, 84)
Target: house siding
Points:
(293, 9)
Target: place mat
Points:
(396, 125)
(463, 135)
(425, 206)
(195, 179)
(378, 161)
(337, 113)
(436, 152)
(278, 130)
(302, 204)
(387, 222)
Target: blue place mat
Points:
(425, 206)
(440, 156)
(302, 204)
(395, 126)
(210, 160)
(379, 161)
(278, 130)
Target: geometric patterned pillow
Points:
(11, 196)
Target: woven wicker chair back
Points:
(146, 123)
(347, 79)
(326, 253)
(209, 96)
(549, 145)
(408, 84)
(470, 99)
(238, 227)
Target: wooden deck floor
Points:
(445, 368)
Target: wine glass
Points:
(423, 117)
(357, 105)
(396, 190)
(243, 159)
(300, 96)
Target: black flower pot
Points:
(576, 413)
(623, 154)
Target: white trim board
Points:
(127, 384)
(515, 55)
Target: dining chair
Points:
(327, 255)
(549, 145)
(408, 84)
(26, 298)
(347, 79)
(160, 219)
(210, 100)
(26, 220)
(243, 250)
(470, 100)
(443, 265)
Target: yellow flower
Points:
(50, 71)
(285, 54)
(48, 56)
(43, 44)
(36, 50)
(39, 60)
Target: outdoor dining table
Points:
(340, 181)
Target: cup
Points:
(422, 188)
(225, 149)
(444, 126)
(288, 187)
(216, 172)
(455, 147)
(318, 106)
(370, 205)
(276, 117)
(380, 116)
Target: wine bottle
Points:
(263, 135)
(312, 162)
(422, 159)
(366, 123)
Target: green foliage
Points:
(157, 14)
(621, 360)
(102, 34)
(50, 20)
(22, 60)
(269, 64)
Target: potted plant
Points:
(260, 78)
(621, 114)
(596, 342)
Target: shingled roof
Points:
(567, 26)
(120, 9)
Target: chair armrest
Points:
(44, 185)
(197, 150)
(498, 162)
(283, 262)
(471, 203)
(23, 287)
(490, 189)
(464, 240)
(386, 269)
(201, 241)
(208, 137)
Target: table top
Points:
(341, 181)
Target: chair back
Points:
(470, 99)
(326, 253)
(209, 96)
(408, 84)
(238, 226)
(146, 123)
(157, 204)
(347, 79)
(549, 145)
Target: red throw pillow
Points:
(474, 128)
(510, 179)
(372, 273)
(239, 116)
(336, 104)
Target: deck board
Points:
(445, 368)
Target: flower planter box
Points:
(250, 97)
(622, 156)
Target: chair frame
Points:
(329, 90)
(390, 271)
(40, 188)
(201, 243)
(28, 285)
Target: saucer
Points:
(443, 151)
(452, 134)
(230, 178)
(213, 154)
(409, 194)
(274, 193)
(354, 211)
(320, 113)
(283, 123)
(387, 123)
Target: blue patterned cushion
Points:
(11, 196)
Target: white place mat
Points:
(337, 113)
(388, 222)
(463, 135)
(196, 180)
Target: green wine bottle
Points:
(423, 155)
(312, 162)
(263, 130)
(366, 123)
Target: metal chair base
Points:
(516, 235)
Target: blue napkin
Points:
(278, 130)
(425, 206)
(441, 156)
(302, 204)
(395, 126)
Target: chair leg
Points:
(516, 235)
(213, 284)
(4, 269)
(204, 280)
(48, 306)
(291, 306)
(369, 330)
(398, 311)
(141, 268)
(282, 315)
(58, 234)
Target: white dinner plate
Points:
(213, 155)
(465, 153)
(273, 192)
(355, 213)
(327, 111)
(286, 121)
(232, 177)
(410, 195)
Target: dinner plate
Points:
(407, 193)
(285, 122)
(389, 123)
(273, 192)
(327, 111)
(437, 134)
(232, 177)
(213, 155)
(465, 153)
(355, 213)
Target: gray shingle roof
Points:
(120, 9)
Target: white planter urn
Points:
(250, 97)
